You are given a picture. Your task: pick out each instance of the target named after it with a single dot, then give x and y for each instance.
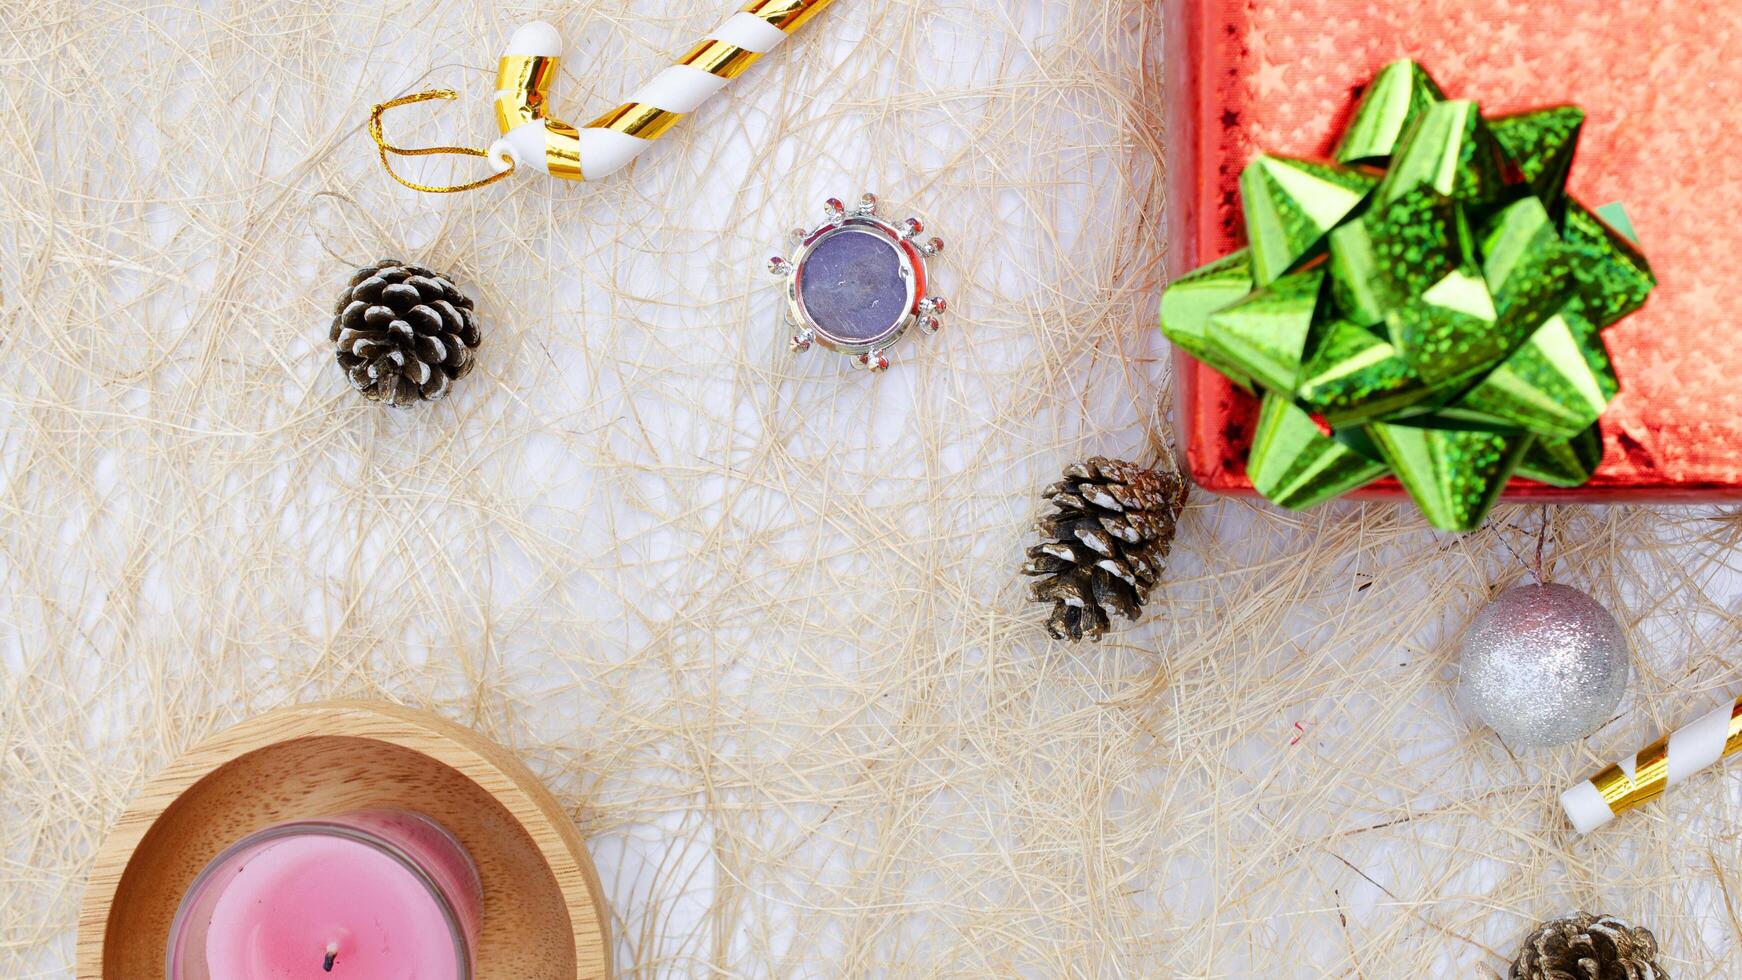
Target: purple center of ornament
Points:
(852, 286)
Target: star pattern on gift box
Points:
(1268, 80)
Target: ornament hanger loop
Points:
(424, 151)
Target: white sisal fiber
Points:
(757, 619)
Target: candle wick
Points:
(332, 954)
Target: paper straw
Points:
(1642, 777)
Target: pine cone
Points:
(1105, 544)
(402, 333)
(1583, 946)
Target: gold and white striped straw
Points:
(1642, 777)
(534, 140)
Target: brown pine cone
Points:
(402, 333)
(1583, 946)
(1104, 545)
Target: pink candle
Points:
(371, 895)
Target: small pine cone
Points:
(1583, 946)
(402, 333)
(1104, 545)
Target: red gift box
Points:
(1283, 76)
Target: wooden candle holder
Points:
(544, 914)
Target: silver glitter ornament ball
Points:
(1543, 665)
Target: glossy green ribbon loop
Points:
(1428, 304)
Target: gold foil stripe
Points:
(509, 114)
(787, 15)
(522, 83)
(719, 58)
(1650, 776)
(530, 74)
(649, 122)
(562, 151)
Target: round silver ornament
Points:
(1543, 665)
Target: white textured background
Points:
(756, 618)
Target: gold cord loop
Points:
(424, 151)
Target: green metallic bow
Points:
(1427, 305)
